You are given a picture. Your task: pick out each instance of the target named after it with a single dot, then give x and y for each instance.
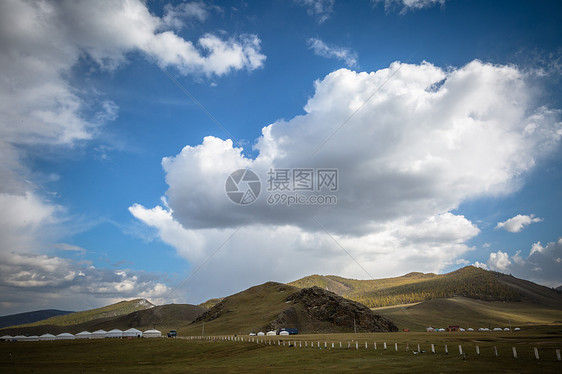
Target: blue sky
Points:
(120, 123)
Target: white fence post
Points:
(419, 350)
(558, 355)
(332, 345)
(432, 348)
(446, 350)
(375, 345)
(478, 350)
(366, 345)
(495, 351)
(536, 353)
(460, 349)
(340, 344)
(384, 345)
(514, 352)
(396, 347)
(356, 345)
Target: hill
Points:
(470, 282)
(467, 312)
(30, 317)
(113, 310)
(275, 305)
(164, 317)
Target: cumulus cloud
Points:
(32, 281)
(176, 16)
(321, 9)
(409, 4)
(543, 264)
(416, 141)
(40, 44)
(322, 49)
(517, 223)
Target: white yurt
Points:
(498, 329)
(132, 333)
(83, 335)
(115, 333)
(152, 334)
(506, 329)
(20, 338)
(65, 336)
(47, 337)
(7, 338)
(271, 333)
(33, 338)
(284, 332)
(517, 329)
(470, 329)
(261, 333)
(98, 334)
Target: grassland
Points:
(113, 310)
(467, 312)
(209, 356)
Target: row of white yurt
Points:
(115, 333)
(152, 334)
(83, 335)
(65, 336)
(98, 334)
(132, 333)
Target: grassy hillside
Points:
(164, 318)
(275, 305)
(30, 317)
(211, 303)
(113, 310)
(246, 311)
(469, 282)
(467, 312)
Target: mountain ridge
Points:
(415, 287)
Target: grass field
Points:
(210, 356)
(466, 312)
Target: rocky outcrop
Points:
(318, 309)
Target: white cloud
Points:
(176, 16)
(518, 223)
(542, 265)
(321, 9)
(499, 261)
(423, 141)
(40, 44)
(321, 49)
(409, 4)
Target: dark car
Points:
(172, 334)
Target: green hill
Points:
(276, 305)
(113, 310)
(469, 282)
(164, 318)
(467, 312)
